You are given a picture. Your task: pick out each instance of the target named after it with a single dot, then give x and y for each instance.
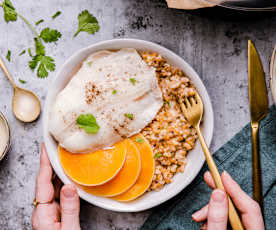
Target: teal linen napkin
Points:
(234, 157)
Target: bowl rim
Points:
(4, 119)
(120, 42)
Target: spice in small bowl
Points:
(4, 136)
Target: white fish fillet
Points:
(106, 71)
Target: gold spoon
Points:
(25, 104)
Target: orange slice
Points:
(147, 171)
(125, 178)
(94, 168)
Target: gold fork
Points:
(192, 108)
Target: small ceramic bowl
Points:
(6, 124)
(195, 158)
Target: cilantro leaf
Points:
(88, 123)
(157, 155)
(39, 21)
(44, 64)
(56, 14)
(87, 23)
(8, 56)
(132, 80)
(129, 116)
(33, 63)
(22, 81)
(139, 140)
(9, 11)
(49, 35)
(39, 47)
(30, 52)
(22, 52)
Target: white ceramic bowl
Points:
(195, 158)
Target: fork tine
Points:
(198, 99)
(192, 100)
(182, 105)
(188, 104)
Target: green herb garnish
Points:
(139, 140)
(56, 14)
(44, 63)
(9, 11)
(49, 35)
(132, 80)
(166, 102)
(114, 92)
(30, 52)
(157, 155)
(22, 81)
(39, 21)
(22, 52)
(88, 123)
(89, 63)
(129, 116)
(8, 56)
(87, 23)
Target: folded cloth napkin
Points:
(235, 158)
(190, 4)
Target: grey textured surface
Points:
(213, 41)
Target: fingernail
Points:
(43, 146)
(218, 196)
(226, 174)
(69, 191)
(196, 215)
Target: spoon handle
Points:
(5, 70)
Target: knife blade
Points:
(258, 101)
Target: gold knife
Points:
(258, 101)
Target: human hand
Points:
(49, 215)
(216, 212)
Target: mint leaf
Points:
(49, 35)
(8, 56)
(129, 116)
(22, 52)
(88, 123)
(56, 14)
(132, 80)
(87, 23)
(9, 11)
(38, 22)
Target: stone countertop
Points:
(213, 41)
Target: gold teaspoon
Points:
(25, 104)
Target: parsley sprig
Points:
(40, 60)
(87, 23)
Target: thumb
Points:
(70, 208)
(218, 211)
